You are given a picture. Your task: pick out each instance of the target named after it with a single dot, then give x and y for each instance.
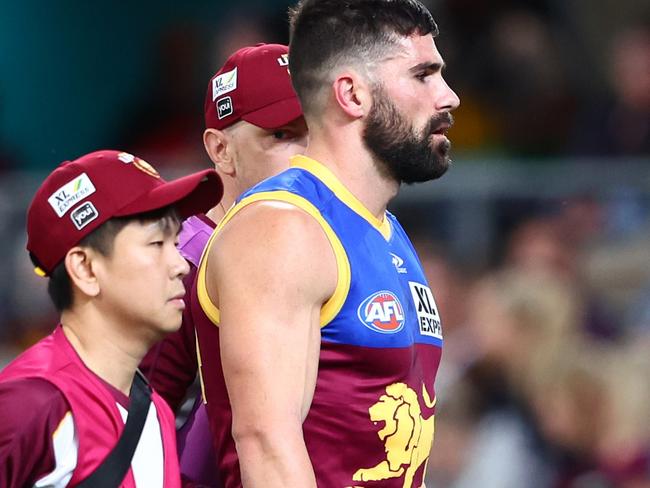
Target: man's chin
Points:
(440, 168)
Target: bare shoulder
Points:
(278, 245)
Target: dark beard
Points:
(399, 151)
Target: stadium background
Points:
(537, 242)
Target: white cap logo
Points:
(224, 83)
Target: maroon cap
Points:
(80, 195)
(253, 85)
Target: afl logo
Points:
(382, 312)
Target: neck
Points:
(344, 153)
(105, 349)
(217, 212)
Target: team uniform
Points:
(371, 421)
(78, 421)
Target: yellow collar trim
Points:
(332, 182)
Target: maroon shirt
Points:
(31, 410)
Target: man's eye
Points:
(157, 243)
(280, 134)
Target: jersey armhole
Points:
(333, 305)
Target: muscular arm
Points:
(273, 268)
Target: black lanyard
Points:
(113, 469)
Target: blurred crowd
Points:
(546, 369)
(545, 379)
(537, 78)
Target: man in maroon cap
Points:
(254, 124)
(103, 229)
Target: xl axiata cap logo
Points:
(382, 312)
(224, 83)
(72, 192)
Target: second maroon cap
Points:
(253, 85)
(80, 195)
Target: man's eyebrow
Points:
(428, 66)
(167, 225)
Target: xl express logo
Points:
(382, 312)
(224, 83)
(69, 194)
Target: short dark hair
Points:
(59, 286)
(328, 33)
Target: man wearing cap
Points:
(103, 229)
(254, 124)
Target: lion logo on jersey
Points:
(407, 436)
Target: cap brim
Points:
(191, 194)
(276, 114)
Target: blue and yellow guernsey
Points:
(371, 421)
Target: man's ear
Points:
(353, 94)
(218, 146)
(79, 265)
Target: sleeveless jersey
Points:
(371, 421)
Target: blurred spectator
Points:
(593, 406)
(555, 244)
(623, 447)
(619, 123)
(527, 83)
(536, 245)
(618, 270)
(520, 323)
(638, 316)
(518, 94)
(568, 400)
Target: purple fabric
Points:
(196, 452)
(193, 238)
(197, 456)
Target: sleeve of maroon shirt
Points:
(171, 365)
(31, 409)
